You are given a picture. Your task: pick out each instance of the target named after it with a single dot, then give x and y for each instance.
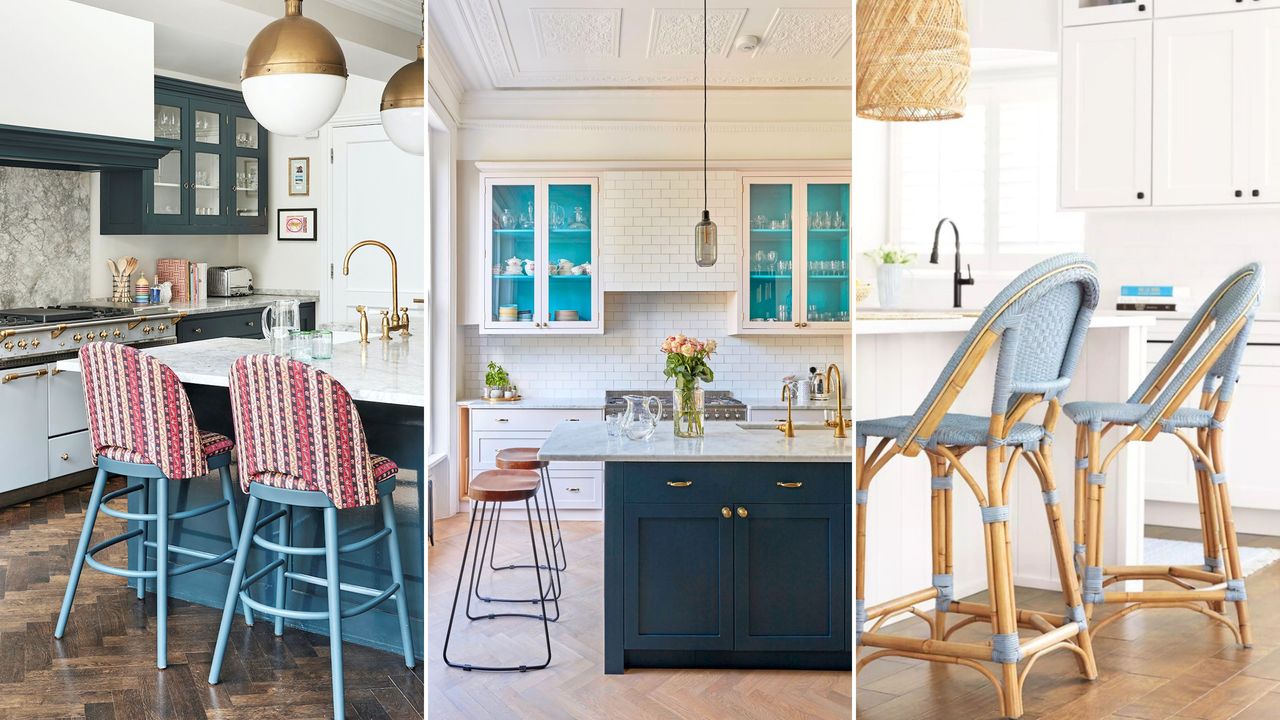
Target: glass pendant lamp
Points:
(704, 233)
(294, 74)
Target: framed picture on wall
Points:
(296, 224)
(299, 176)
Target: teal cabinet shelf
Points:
(212, 180)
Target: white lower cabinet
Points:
(24, 429)
(70, 453)
(577, 485)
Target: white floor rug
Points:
(1156, 551)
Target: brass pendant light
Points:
(403, 115)
(704, 233)
(294, 74)
(913, 59)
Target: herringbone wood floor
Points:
(575, 685)
(1152, 665)
(104, 668)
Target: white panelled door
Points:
(1201, 97)
(377, 195)
(1106, 115)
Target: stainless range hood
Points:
(60, 150)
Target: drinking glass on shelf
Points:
(772, 258)
(784, 312)
(759, 262)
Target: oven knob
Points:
(35, 343)
(116, 332)
(77, 337)
(22, 344)
(147, 329)
(8, 345)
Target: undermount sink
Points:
(917, 313)
(773, 426)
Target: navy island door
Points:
(789, 577)
(678, 577)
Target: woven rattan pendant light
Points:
(913, 59)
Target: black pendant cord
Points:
(704, 104)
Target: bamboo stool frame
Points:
(1056, 632)
(1217, 526)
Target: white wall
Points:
(76, 68)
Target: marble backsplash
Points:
(44, 237)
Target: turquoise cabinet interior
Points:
(211, 182)
(796, 266)
(542, 248)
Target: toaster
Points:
(230, 281)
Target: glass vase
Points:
(687, 409)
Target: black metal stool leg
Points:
(556, 585)
(552, 591)
(562, 561)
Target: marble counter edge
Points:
(589, 442)
(871, 326)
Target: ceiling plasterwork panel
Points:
(806, 32)
(576, 32)
(677, 32)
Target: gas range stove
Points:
(43, 334)
(719, 404)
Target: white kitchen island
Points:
(898, 358)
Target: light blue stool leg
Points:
(90, 516)
(284, 535)
(397, 576)
(224, 474)
(162, 573)
(139, 560)
(332, 580)
(233, 588)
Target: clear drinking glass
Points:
(300, 342)
(614, 425)
(322, 344)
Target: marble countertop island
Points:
(383, 372)
(724, 442)
(887, 322)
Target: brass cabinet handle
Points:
(199, 331)
(726, 512)
(66, 456)
(790, 484)
(679, 483)
(17, 376)
(742, 512)
(55, 371)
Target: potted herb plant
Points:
(687, 363)
(496, 382)
(890, 262)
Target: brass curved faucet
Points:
(840, 424)
(788, 428)
(401, 321)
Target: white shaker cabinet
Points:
(1176, 8)
(1091, 12)
(1263, 184)
(1106, 116)
(1201, 106)
(24, 436)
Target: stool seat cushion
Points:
(211, 443)
(1130, 413)
(519, 458)
(382, 467)
(955, 429)
(503, 485)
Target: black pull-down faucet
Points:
(957, 280)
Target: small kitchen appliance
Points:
(230, 281)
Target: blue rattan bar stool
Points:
(488, 489)
(301, 444)
(141, 427)
(1038, 324)
(1208, 351)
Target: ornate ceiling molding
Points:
(577, 32)
(677, 32)
(664, 126)
(806, 32)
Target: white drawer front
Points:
(485, 447)
(577, 491)
(66, 403)
(69, 453)
(523, 420)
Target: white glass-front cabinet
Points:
(1089, 12)
(542, 250)
(795, 264)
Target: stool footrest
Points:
(207, 559)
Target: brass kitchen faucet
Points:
(840, 424)
(401, 322)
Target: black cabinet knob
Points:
(1256, 193)
(1143, 8)
(1142, 195)
(1239, 193)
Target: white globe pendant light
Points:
(294, 74)
(403, 115)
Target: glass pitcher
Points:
(638, 421)
(278, 320)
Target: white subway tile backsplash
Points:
(627, 356)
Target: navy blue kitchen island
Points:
(387, 382)
(733, 550)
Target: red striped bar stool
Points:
(301, 444)
(526, 458)
(141, 426)
(490, 488)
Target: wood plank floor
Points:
(1152, 665)
(575, 685)
(104, 668)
